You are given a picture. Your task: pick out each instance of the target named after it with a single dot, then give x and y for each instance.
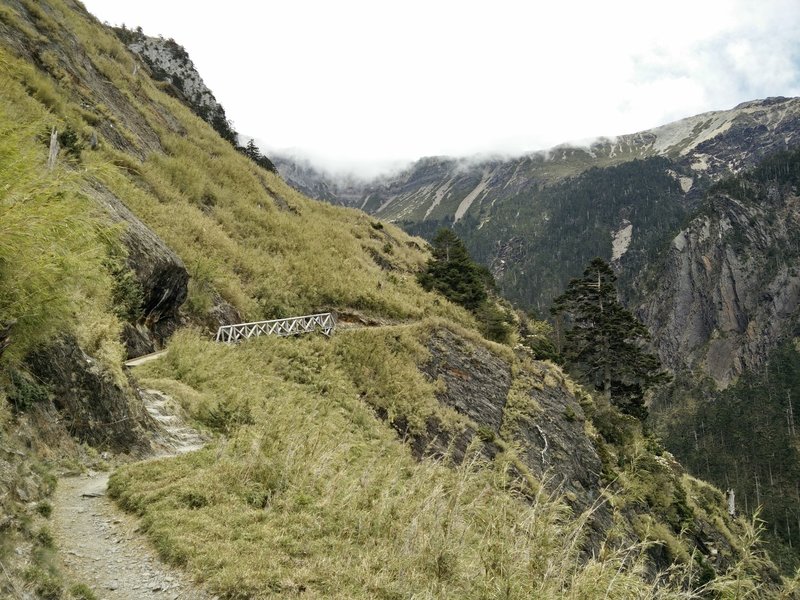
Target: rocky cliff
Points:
(729, 289)
(169, 63)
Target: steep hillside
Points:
(725, 312)
(406, 456)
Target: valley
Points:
(698, 219)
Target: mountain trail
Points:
(102, 546)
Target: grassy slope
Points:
(304, 489)
(308, 492)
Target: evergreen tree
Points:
(254, 153)
(451, 272)
(604, 344)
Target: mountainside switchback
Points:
(406, 457)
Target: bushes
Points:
(24, 392)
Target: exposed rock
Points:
(476, 386)
(476, 381)
(159, 271)
(94, 407)
(440, 442)
(556, 446)
(729, 288)
(222, 312)
(137, 339)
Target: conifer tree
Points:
(451, 272)
(604, 344)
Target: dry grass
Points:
(310, 492)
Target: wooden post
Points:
(731, 503)
(51, 158)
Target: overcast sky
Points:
(364, 84)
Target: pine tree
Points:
(605, 345)
(451, 272)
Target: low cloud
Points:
(357, 92)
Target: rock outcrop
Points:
(159, 272)
(169, 63)
(729, 289)
(95, 407)
(542, 417)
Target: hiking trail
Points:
(102, 546)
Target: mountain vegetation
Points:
(452, 272)
(603, 343)
(405, 456)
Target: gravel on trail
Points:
(101, 546)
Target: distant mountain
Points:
(438, 188)
(536, 220)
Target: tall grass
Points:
(52, 243)
(306, 491)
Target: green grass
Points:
(52, 241)
(315, 494)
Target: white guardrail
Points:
(324, 322)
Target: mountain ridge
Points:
(684, 139)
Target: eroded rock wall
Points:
(729, 287)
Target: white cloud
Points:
(356, 82)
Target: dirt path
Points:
(140, 360)
(101, 545)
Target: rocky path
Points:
(101, 545)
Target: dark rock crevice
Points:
(158, 271)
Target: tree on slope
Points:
(451, 272)
(604, 344)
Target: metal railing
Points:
(324, 322)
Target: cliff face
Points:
(729, 288)
(169, 63)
